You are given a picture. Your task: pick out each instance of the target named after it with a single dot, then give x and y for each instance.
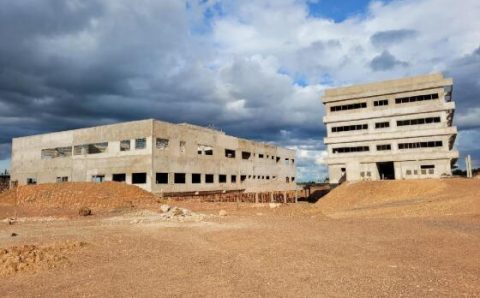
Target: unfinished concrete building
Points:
(398, 129)
(157, 156)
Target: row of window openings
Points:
(384, 102)
(163, 178)
(125, 145)
(180, 178)
(385, 147)
(32, 181)
(420, 121)
(424, 170)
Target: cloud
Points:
(255, 69)
(385, 61)
(389, 37)
(465, 72)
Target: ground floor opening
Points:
(386, 170)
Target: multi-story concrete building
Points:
(398, 129)
(155, 155)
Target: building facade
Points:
(158, 156)
(398, 129)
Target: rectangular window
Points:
(119, 177)
(161, 144)
(416, 98)
(351, 149)
(348, 107)
(287, 161)
(31, 181)
(382, 124)
(409, 172)
(222, 178)
(140, 143)
(278, 159)
(287, 179)
(62, 179)
(179, 178)
(293, 179)
(418, 121)
(260, 156)
(208, 178)
(98, 178)
(96, 148)
(233, 179)
(161, 178)
(56, 152)
(139, 178)
(420, 145)
(205, 150)
(246, 155)
(125, 145)
(384, 147)
(80, 150)
(427, 166)
(383, 102)
(196, 178)
(229, 153)
(293, 161)
(243, 178)
(349, 127)
(183, 146)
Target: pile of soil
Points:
(32, 258)
(74, 195)
(403, 198)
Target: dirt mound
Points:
(32, 258)
(403, 198)
(74, 195)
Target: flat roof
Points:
(387, 87)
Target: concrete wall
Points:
(28, 164)
(190, 162)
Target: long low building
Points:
(397, 129)
(158, 156)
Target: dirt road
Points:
(291, 251)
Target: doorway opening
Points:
(386, 170)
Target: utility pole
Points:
(468, 166)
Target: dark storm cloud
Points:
(385, 61)
(466, 91)
(389, 37)
(4, 152)
(70, 64)
(80, 86)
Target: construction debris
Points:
(32, 257)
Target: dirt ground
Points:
(295, 250)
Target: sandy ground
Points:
(291, 251)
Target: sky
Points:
(254, 69)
